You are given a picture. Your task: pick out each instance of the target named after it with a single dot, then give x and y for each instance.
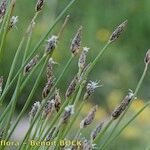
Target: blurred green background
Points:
(122, 64)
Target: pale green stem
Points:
(131, 120)
(135, 93)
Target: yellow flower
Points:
(131, 132)
(103, 35)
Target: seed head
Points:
(2, 9)
(118, 31)
(97, 130)
(48, 108)
(48, 87)
(51, 62)
(39, 5)
(76, 42)
(90, 88)
(31, 64)
(57, 100)
(72, 86)
(89, 118)
(82, 59)
(69, 110)
(1, 84)
(147, 57)
(34, 110)
(13, 21)
(51, 44)
(117, 112)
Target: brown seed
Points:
(118, 31)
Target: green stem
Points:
(131, 120)
(29, 98)
(135, 93)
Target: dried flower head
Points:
(1, 84)
(118, 31)
(48, 108)
(57, 100)
(39, 5)
(13, 21)
(2, 9)
(147, 57)
(48, 87)
(89, 118)
(34, 110)
(97, 130)
(50, 68)
(76, 42)
(31, 64)
(82, 59)
(51, 44)
(72, 86)
(90, 88)
(118, 110)
(69, 110)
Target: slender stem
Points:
(135, 93)
(29, 98)
(131, 120)
(37, 46)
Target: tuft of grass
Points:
(53, 117)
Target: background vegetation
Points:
(122, 64)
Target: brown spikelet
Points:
(97, 130)
(50, 64)
(39, 5)
(51, 44)
(89, 118)
(48, 108)
(48, 87)
(118, 110)
(118, 31)
(147, 57)
(57, 100)
(31, 64)
(72, 86)
(82, 58)
(2, 9)
(34, 110)
(69, 110)
(76, 42)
